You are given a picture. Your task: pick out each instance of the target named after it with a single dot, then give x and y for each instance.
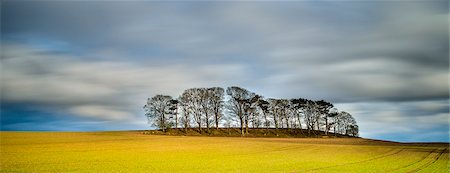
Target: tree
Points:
(351, 128)
(216, 96)
(264, 106)
(255, 110)
(250, 104)
(310, 112)
(186, 108)
(284, 112)
(157, 110)
(256, 118)
(192, 104)
(204, 96)
(348, 124)
(197, 107)
(334, 117)
(236, 103)
(324, 109)
(274, 109)
(298, 106)
(173, 108)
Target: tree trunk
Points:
(246, 124)
(241, 120)
(207, 120)
(163, 123)
(276, 124)
(217, 120)
(176, 118)
(299, 122)
(275, 121)
(185, 122)
(334, 130)
(266, 121)
(287, 122)
(242, 126)
(253, 120)
(317, 124)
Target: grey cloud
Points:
(402, 56)
(415, 120)
(99, 89)
(299, 45)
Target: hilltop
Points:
(252, 132)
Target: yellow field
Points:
(136, 152)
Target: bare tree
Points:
(256, 118)
(346, 120)
(255, 110)
(298, 106)
(351, 128)
(174, 110)
(205, 105)
(192, 97)
(197, 108)
(284, 112)
(334, 118)
(324, 110)
(236, 103)
(250, 108)
(264, 106)
(157, 111)
(186, 108)
(216, 100)
(311, 114)
(339, 122)
(274, 109)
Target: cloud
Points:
(401, 55)
(111, 90)
(401, 121)
(99, 111)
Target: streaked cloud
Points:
(405, 121)
(111, 90)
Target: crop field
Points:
(137, 152)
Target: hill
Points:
(134, 151)
(252, 132)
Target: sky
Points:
(88, 66)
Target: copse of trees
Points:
(207, 108)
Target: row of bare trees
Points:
(206, 108)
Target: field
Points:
(137, 152)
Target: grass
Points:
(136, 152)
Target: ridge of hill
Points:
(252, 132)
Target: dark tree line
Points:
(206, 108)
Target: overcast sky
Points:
(82, 66)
